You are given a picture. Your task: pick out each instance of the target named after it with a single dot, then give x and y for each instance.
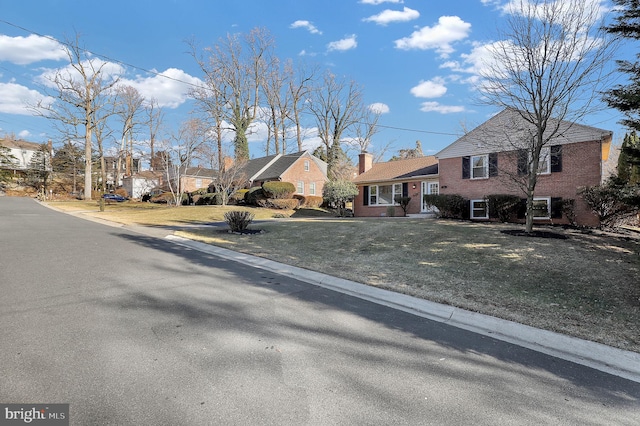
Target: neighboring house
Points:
(111, 164)
(22, 154)
(379, 184)
(307, 172)
(491, 158)
(194, 178)
(141, 183)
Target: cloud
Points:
(16, 99)
(307, 25)
(389, 16)
(108, 72)
(30, 49)
(169, 88)
(442, 109)
(379, 108)
(24, 134)
(429, 89)
(448, 30)
(344, 44)
(380, 1)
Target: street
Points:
(131, 329)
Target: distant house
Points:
(307, 172)
(22, 154)
(141, 183)
(195, 178)
(492, 157)
(380, 183)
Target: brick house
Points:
(492, 159)
(307, 172)
(380, 183)
(194, 178)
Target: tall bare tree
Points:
(80, 91)
(154, 120)
(278, 104)
(550, 66)
(337, 107)
(129, 107)
(300, 87)
(235, 69)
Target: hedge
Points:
(278, 190)
(449, 205)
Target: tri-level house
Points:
(493, 159)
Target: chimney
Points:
(365, 162)
(228, 163)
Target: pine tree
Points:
(626, 98)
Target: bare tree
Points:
(154, 122)
(337, 107)
(79, 94)
(178, 153)
(367, 127)
(300, 86)
(549, 67)
(128, 108)
(235, 69)
(278, 104)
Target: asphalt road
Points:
(131, 329)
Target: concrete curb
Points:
(618, 362)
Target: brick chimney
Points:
(365, 162)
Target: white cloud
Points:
(24, 134)
(379, 108)
(557, 8)
(390, 16)
(442, 109)
(30, 49)
(380, 1)
(429, 89)
(108, 72)
(16, 99)
(306, 25)
(344, 44)
(448, 30)
(170, 88)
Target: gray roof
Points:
(274, 166)
(509, 131)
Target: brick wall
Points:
(414, 207)
(581, 166)
(297, 173)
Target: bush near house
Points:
(209, 199)
(503, 206)
(278, 190)
(451, 206)
(238, 196)
(309, 201)
(278, 203)
(253, 194)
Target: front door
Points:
(428, 187)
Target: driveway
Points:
(132, 329)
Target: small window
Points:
(300, 188)
(479, 209)
(433, 188)
(306, 165)
(312, 188)
(198, 183)
(479, 166)
(541, 208)
(544, 165)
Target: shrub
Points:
(569, 210)
(309, 201)
(391, 211)
(164, 198)
(336, 193)
(209, 199)
(278, 190)
(503, 206)
(238, 221)
(253, 195)
(404, 203)
(278, 203)
(122, 192)
(449, 205)
(238, 196)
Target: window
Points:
(544, 165)
(541, 208)
(300, 187)
(433, 188)
(479, 209)
(479, 166)
(198, 183)
(384, 194)
(306, 165)
(312, 188)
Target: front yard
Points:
(587, 285)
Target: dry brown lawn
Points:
(587, 285)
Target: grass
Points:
(587, 286)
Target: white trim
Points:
(548, 200)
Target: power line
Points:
(157, 74)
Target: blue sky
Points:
(416, 58)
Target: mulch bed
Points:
(534, 234)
